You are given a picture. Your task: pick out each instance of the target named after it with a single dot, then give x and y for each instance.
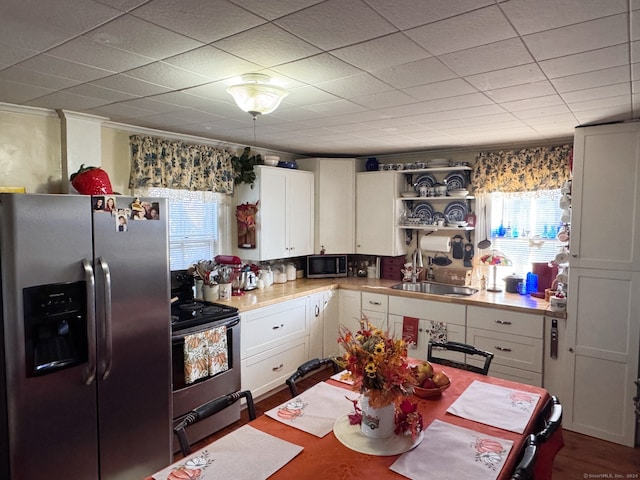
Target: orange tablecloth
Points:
(329, 459)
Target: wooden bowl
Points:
(430, 392)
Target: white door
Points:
(336, 202)
(272, 226)
(605, 208)
(331, 322)
(603, 338)
(349, 309)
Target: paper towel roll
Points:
(435, 243)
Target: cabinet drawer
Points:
(510, 350)
(505, 321)
(516, 374)
(427, 309)
(268, 370)
(271, 326)
(375, 302)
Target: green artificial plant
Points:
(243, 167)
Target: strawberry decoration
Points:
(91, 181)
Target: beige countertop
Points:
(302, 287)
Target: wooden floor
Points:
(582, 457)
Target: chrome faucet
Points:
(416, 262)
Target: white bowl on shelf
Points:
(455, 223)
(271, 160)
(458, 192)
(409, 194)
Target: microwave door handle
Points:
(108, 327)
(89, 373)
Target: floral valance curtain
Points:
(526, 170)
(156, 162)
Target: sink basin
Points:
(436, 289)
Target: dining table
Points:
(325, 456)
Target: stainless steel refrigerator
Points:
(85, 379)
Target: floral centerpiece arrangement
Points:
(377, 364)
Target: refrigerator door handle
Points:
(108, 330)
(90, 372)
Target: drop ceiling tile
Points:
(13, 54)
(18, 93)
(119, 112)
(138, 36)
(420, 72)
(521, 92)
(530, 17)
(382, 52)
(447, 88)
(193, 18)
(66, 101)
(89, 90)
(161, 73)
(123, 5)
(85, 51)
(531, 103)
(305, 96)
(607, 57)
(487, 58)
(184, 99)
(320, 68)
(480, 27)
(432, 119)
(273, 10)
(404, 14)
(607, 76)
(36, 79)
(348, 87)
(594, 94)
(334, 109)
(598, 115)
(41, 25)
(582, 37)
(212, 63)
(507, 77)
(336, 23)
(542, 111)
(130, 85)
(390, 98)
(63, 68)
(604, 102)
(267, 45)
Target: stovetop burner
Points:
(188, 313)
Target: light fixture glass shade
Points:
(256, 95)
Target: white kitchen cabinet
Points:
(284, 221)
(514, 338)
(323, 324)
(377, 213)
(605, 197)
(427, 311)
(335, 203)
(350, 310)
(274, 342)
(375, 306)
(601, 364)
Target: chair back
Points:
(549, 419)
(468, 350)
(206, 410)
(526, 460)
(306, 368)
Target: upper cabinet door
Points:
(300, 213)
(605, 219)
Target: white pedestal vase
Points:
(377, 422)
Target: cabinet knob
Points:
(574, 255)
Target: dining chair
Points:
(468, 350)
(549, 419)
(308, 367)
(206, 410)
(526, 460)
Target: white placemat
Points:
(227, 458)
(449, 452)
(497, 406)
(315, 410)
(343, 377)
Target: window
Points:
(524, 227)
(193, 225)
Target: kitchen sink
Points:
(436, 289)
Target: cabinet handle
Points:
(317, 311)
(574, 255)
(503, 322)
(277, 369)
(276, 327)
(502, 349)
(375, 303)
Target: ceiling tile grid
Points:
(365, 77)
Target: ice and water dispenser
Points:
(55, 327)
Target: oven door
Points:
(186, 397)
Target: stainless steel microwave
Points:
(325, 266)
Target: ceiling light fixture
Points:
(256, 95)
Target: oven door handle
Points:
(205, 326)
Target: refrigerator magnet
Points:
(121, 223)
(98, 204)
(110, 205)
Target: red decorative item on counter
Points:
(91, 181)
